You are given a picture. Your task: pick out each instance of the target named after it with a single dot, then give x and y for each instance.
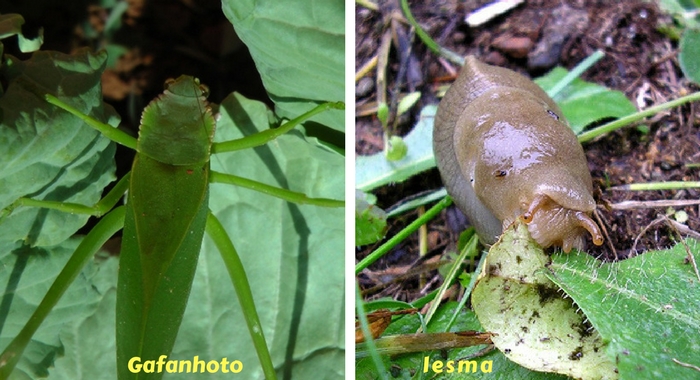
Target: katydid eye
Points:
(205, 90)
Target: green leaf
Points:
(299, 50)
(689, 56)
(11, 24)
(370, 221)
(396, 149)
(38, 268)
(48, 153)
(684, 12)
(646, 307)
(584, 103)
(293, 255)
(534, 324)
(94, 334)
(375, 170)
(407, 102)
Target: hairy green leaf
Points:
(646, 307)
(535, 325)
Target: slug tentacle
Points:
(505, 151)
(539, 202)
(586, 222)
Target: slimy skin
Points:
(505, 152)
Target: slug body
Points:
(504, 152)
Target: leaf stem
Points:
(670, 185)
(575, 72)
(240, 283)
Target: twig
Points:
(667, 185)
(366, 68)
(630, 205)
(675, 226)
(367, 4)
(686, 365)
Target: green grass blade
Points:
(624, 121)
(402, 235)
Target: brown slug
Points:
(504, 151)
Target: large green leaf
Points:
(27, 274)
(375, 170)
(689, 56)
(584, 102)
(535, 325)
(93, 335)
(298, 47)
(293, 255)
(48, 153)
(646, 307)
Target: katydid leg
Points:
(98, 209)
(107, 130)
(107, 226)
(287, 195)
(242, 287)
(262, 138)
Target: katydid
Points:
(156, 268)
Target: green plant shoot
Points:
(164, 220)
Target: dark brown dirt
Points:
(531, 39)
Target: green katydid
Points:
(156, 268)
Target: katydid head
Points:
(187, 86)
(177, 128)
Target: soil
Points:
(531, 39)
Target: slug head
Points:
(551, 224)
(527, 162)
